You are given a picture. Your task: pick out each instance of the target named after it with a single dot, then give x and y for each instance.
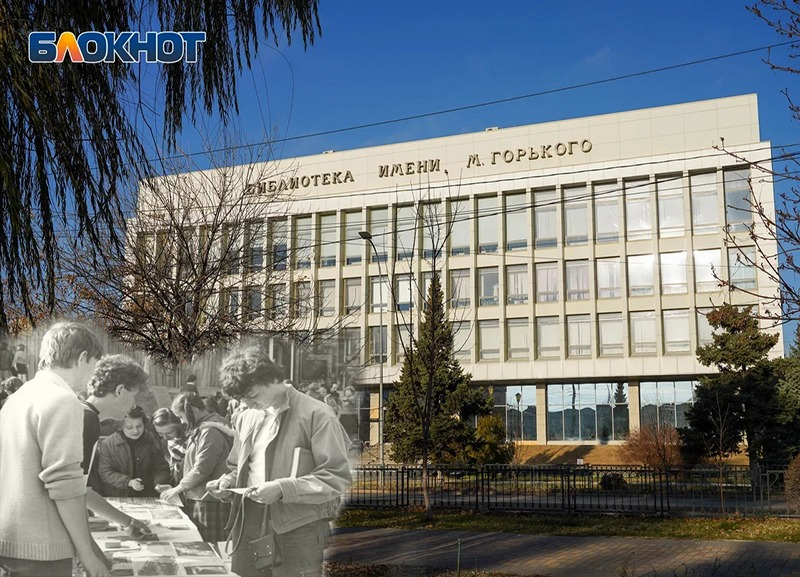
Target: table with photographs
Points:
(174, 548)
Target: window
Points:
(302, 298)
(352, 295)
(405, 299)
(328, 243)
(462, 341)
(643, 333)
(254, 241)
(402, 341)
(518, 339)
(673, 273)
(459, 219)
(515, 406)
(517, 284)
(707, 263)
(459, 288)
(352, 345)
(587, 411)
(487, 224)
(665, 403)
(405, 227)
(578, 280)
(738, 210)
(705, 332)
(546, 282)
(353, 244)
(377, 344)
(516, 222)
(741, 267)
(489, 340)
(303, 242)
(609, 278)
(548, 337)
(277, 304)
(253, 303)
(278, 246)
(640, 275)
(639, 209)
(546, 219)
(326, 298)
(432, 225)
(576, 216)
(378, 294)
(229, 303)
(670, 206)
(703, 192)
(427, 278)
(607, 212)
(676, 331)
(231, 251)
(611, 332)
(488, 285)
(579, 335)
(379, 229)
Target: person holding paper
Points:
(290, 456)
(43, 522)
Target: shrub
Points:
(792, 482)
(653, 446)
(613, 482)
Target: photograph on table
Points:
(156, 566)
(206, 570)
(195, 549)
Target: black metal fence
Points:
(576, 488)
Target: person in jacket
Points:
(208, 443)
(171, 430)
(43, 522)
(131, 463)
(291, 452)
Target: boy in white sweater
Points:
(43, 509)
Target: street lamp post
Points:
(518, 396)
(368, 237)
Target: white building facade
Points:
(578, 257)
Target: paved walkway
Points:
(566, 556)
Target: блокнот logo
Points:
(98, 47)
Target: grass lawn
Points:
(739, 528)
(356, 570)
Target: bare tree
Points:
(653, 444)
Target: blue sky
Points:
(377, 61)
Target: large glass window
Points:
(707, 263)
(352, 345)
(609, 278)
(579, 335)
(705, 215)
(462, 341)
(277, 303)
(278, 236)
(253, 303)
(516, 407)
(377, 344)
(517, 284)
(546, 225)
(518, 339)
(576, 216)
(459, 288)
(405, 295)
(354, 244)
(664, 403)
(670, 206)
(328, 243)
(643, 333)
(352, 295)
(640, 275)
(433, 226)
(487, 224)
(378, 294)
(548, 337)
(676, 331)
(611, 331)
(326, 298)
(587, 411)
(738, 209)
(302, 298)
(546, 282)
(607, 212)
(639, 209)
(741, 267)
(254, 243)
(459, 218)
(402, 341)
(578, 280)
(705, 332)
(303, 241)
(489, 340)
(379, 229)
(516, 221)
(405, 227)
(673, 273)
(488, 284)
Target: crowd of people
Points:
(285, 450)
